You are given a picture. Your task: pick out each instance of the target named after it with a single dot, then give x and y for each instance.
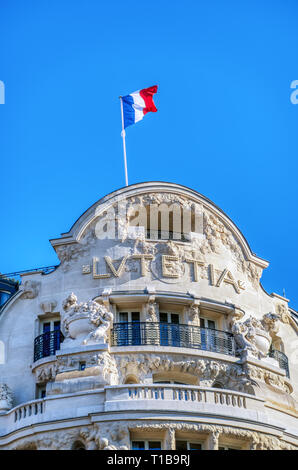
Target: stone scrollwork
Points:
(30, 289)
(85, 322)
(6, 398)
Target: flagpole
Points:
(124, 143)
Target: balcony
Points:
(47, 344)
(173, 335)
(282, 360)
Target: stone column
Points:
(212, 441)
(170, 440)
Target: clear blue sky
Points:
(225, 124)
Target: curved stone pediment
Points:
(209, 234)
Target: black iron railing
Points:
(172, 334)
(47, 344)
(282, 360)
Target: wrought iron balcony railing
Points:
(47, 344)
(172, 334)
(282, 360)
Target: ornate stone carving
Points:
(62, 440)
(268, 377)
(230, 376)
(240, 330)
(283, 313)
(6, 398)
(86, 323)
(46, 373)
(108, 368)
(253, 336)
(101, 437)
(193, 313)
(48, 306)
(255, 440)
(151, 309)
(115, 436)
(101, 366)
(270, 323)
(69, 253)
(30, 289)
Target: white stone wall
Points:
(221, 247)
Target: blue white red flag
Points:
(137, 104)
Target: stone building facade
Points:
(153, 332)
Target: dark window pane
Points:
(135, 316)
(194, 446)
(181, 445)
(123, 317)
(175, 318)
(138, 445)
(154, 445)
(46, 327)
(163, 317)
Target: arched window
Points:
(217, 385)
(131, 379)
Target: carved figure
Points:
(88, 322)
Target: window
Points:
(40, 391)
(208, 339)
(50, 325)
(169, 329)
(52, 338)
(188, 445)
(206, 323)
(170, 222)
(146, 445)
(128, 330)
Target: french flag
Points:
(137, 104)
